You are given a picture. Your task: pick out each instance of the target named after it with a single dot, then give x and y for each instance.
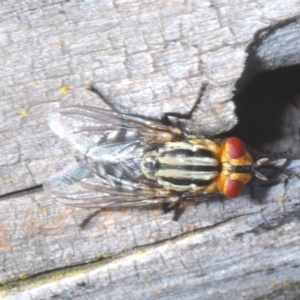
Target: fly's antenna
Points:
(259, 175)
(259, 163)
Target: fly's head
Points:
(238, 167)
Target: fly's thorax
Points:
(182, 166)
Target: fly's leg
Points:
(185, 200)
(177, 207)
(93, 89)
(165, 118)
(88, 219)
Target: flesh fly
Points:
(132, 161)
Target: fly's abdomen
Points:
(181, 166)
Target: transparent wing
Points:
(107, 135)
(96, 184)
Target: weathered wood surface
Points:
(150, 57)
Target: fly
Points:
(132, 161)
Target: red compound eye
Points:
(235, 148)
(233, 188)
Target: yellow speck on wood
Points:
(23, 276)
(191, 235)
(43, 209)
(279, 229)
(139, 252)
(64, 90)
(213, 213)
(24, 113)
(281, 200)
(3, 294)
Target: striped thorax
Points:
(181, 166)
(200, 166)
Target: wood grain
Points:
(148, 57)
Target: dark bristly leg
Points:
(166, 207)
(178, 209)
(88, 219)
(93, 89)
(165, 118)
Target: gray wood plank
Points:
(148, 57)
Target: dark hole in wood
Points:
(267, 107)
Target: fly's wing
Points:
(106, 135)
(114, 145)
(98, 184)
